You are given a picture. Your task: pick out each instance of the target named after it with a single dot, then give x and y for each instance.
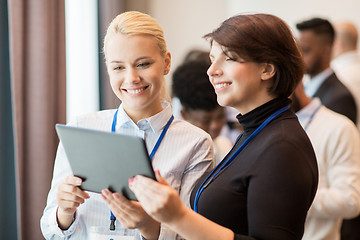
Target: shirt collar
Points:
(314, 83)
(306, 113)
(155, 123)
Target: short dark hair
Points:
(264, 38)
(197, 55)
(319, 26)
(190, 83)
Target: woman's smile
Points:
(221, 86)
(135, 91)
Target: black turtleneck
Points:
(253, 119)
(265, 192)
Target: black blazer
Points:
(336, 96)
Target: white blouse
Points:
(183, 156)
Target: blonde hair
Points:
(135, 23)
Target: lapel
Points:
(328, 83)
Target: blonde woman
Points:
(137, 60)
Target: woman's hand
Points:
(69, 197)
(159, 199)
(131, 214)
(163, 203)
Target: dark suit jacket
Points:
(334, 95)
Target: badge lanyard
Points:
(311, 117)
(112, 217)
(235, 154)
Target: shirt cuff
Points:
(57, 230)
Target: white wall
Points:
(296, 11)
(185, 22)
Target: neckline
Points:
(257, 116)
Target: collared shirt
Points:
(312, 85)
(336, 141)
(306, 114)
(183, 156)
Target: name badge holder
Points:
(104, 233)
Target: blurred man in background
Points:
(346, 59)
(316, 41)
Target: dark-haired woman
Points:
(265, 185)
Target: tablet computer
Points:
(105, 159)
